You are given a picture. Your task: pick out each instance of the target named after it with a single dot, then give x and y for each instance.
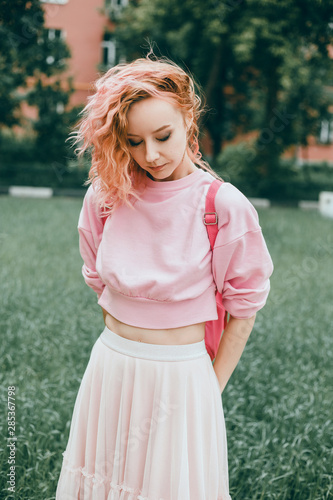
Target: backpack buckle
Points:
(210, 221)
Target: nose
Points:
(152, 153)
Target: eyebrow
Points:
(158, 130)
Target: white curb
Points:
(260, 202)
(30, 192)
(326, 203)
(308, 205)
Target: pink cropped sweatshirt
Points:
(153, 267)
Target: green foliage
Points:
(54, 123)
(56, 175)
(262, 65)
(239, 165)
(21, 24)
(30, 61)
(25, 51)
(277, 404)
(287, 43)
(22, 164)
(13, 148)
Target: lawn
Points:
(278, 403)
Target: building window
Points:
(111, 52)
(53, 39)
(114, 8)
(108, 52)
(115, 4)
(58, 2)
(60, 107)
(54, 34)
(326, 132)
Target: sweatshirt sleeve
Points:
(241, 262)
(90, 227)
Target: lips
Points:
(157, 167)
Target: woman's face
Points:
(157, 139)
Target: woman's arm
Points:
(90, 228)
(234, 338)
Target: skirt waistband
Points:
(152, 351)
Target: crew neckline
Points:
(181, 183)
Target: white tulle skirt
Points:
(147, 424)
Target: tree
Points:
(25, 53)
(32, 62)
(54, 122)
(196, 35)
(287, 43)
(263, 65)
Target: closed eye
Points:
(162, 139)
(132, 143)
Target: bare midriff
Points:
(172, 336)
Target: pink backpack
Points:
(214, 328)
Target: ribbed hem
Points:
(145, 313)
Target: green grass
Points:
(278, 403)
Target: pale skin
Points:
(157, 135)
(233, 342)
(234, 339)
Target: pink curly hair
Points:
(115, 176)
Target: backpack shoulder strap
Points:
(210, 217)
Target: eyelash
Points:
(134, 144)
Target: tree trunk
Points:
(267, 142)
(215, 99)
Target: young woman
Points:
(148, 421)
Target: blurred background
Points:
(265, 68)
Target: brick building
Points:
(86, 28)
